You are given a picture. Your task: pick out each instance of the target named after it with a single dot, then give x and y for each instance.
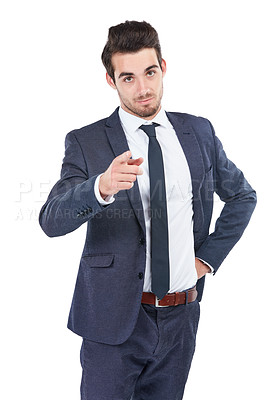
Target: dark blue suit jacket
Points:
(109, 285)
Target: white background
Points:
(52, 81)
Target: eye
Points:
(151, 73)
(128, 79)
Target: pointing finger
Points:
(124, 157)
(137, 161)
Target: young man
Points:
(143, 181)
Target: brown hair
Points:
(129, 37)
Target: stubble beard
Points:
(143, 111)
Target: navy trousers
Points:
(153, 364)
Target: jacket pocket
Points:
(99, 261)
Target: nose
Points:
(142, 87)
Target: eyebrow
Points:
(131, 73)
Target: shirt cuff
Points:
(108, 200)
(212, 269)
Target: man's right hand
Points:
(120, 175)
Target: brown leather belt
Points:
(170, 299)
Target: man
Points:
(143, 181)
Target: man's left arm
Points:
(240, 201)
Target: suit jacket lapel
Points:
(119, 145)
(192, 151)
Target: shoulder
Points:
(201, 126)
(96, 130)
(89, 130)
(189, 119)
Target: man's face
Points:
(139, 82)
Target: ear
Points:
(110, 81)
(163, 66)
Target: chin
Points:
(142, 112)
(148, 112)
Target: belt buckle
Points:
(157, 303)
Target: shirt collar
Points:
(131, 122)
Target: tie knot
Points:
(149, 129)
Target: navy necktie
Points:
(159, 223)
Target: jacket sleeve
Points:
(71, 201)
(240, 201)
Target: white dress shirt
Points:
(183, 274)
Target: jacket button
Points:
(140, 275)
(141, 241)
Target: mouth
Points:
(145, 101)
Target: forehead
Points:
(134, 63)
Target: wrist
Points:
(102, 191)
